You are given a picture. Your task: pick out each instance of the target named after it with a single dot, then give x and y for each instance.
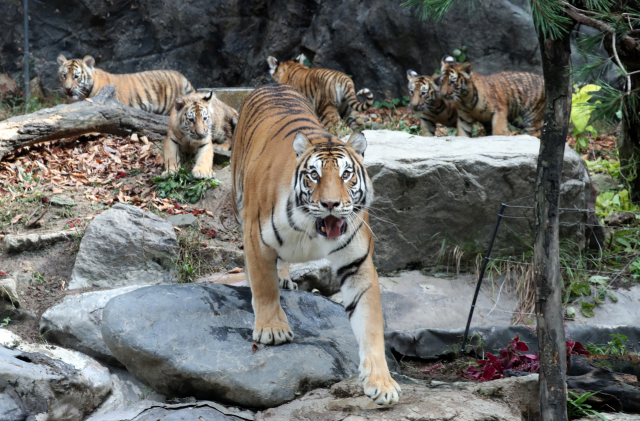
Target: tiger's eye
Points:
(314, 175)
(346, 175)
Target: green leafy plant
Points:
(609, 202)
(577, 406)
(38, 278)
(5, 322)
(604, 166)
(581, 114)
(616, 346)
(460, 54)
(183, 186)
(387, 103)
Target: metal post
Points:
(26, 54)
(479, 284)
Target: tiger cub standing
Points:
(426, 100)
(495, 99)
(331, 92)
(196, 122)
(153, 91)
(302, 194)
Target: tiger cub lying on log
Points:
(196, 122)
(331, 92)
(302, 194)
(153, 91)
(495, 99)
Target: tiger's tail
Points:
(356, 105)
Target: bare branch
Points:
(615, 54)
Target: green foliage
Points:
(581, 114)
(38, 278)
(577, 406)
(609, 202)
(604, 166)
(392, 103)
(634, 268)
(12, 107)
(182, 186)
(5, 322)
(460, 54)
(616, 346)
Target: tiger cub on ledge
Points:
(431, 107)
(302, 194)
(196, 122)
(153, 91)
(495, 99)
(331, 92)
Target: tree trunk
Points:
(629, 144)
(556, 59)
(102, 113)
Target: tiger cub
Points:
(432, 108)
(154, 91)
(331, 92)
(196, 122)
(302, 194)
(495, 99)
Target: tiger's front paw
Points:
(274, 333)
(378, 384)
(287, 283)
(202, 172)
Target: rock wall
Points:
(219, 43)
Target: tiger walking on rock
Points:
(302, 194)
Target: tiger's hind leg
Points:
(271, 324)
(354, 122)
(359, 287)
(330, 117)
(532, 125)
(284, 278)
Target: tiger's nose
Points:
(329, 205)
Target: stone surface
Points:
(431, 190)
(183, 220)
(220, 156)
(233, 97)
(217, 255)
(226, 43)
(75, 322)
(8, 87)
(9, 302)
(412, 300)
(625, 311)
(47, 382)
(28, 242)
(126, 391)
(195, 340)
(188, 411)
(446, 401)
(603, 182)
(62, 201)
(315, 275)
(125, 246)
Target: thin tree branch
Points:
(615, 54)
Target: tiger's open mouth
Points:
(331, 227)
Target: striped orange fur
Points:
(497, 99)
(425, 99)
(331, 92)
(302, 194)
(153, 91)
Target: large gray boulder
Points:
(183, 411)
(196, 340)
(125, 246)
(75, 322)
(47, 382)
(431, 191)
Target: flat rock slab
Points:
(59, 384)
(125, 246)
(62, 201)
(188, 411)
(196, 340)
(412, 300)
(183, 220)
(27, 242)
(75, 322)
(432, 189)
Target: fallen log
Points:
(102, 113)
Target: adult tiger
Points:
(495, 99)
(153, 91)
(426, 100)
(196, 122)
(331, 92)
(302, 194)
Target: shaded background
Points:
(218, 43)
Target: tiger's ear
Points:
(301, 144)
(358, 143)
(273, 64)
(437, 80)
(89, 62)
(301, 59)
(467, 69)
(179, 104)
(208, 96)
(445, 61)
(61, 60)
(411, 74)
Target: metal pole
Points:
(479, 284)
(26, 54)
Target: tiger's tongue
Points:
(333, 225)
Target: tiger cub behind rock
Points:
(196, 122)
